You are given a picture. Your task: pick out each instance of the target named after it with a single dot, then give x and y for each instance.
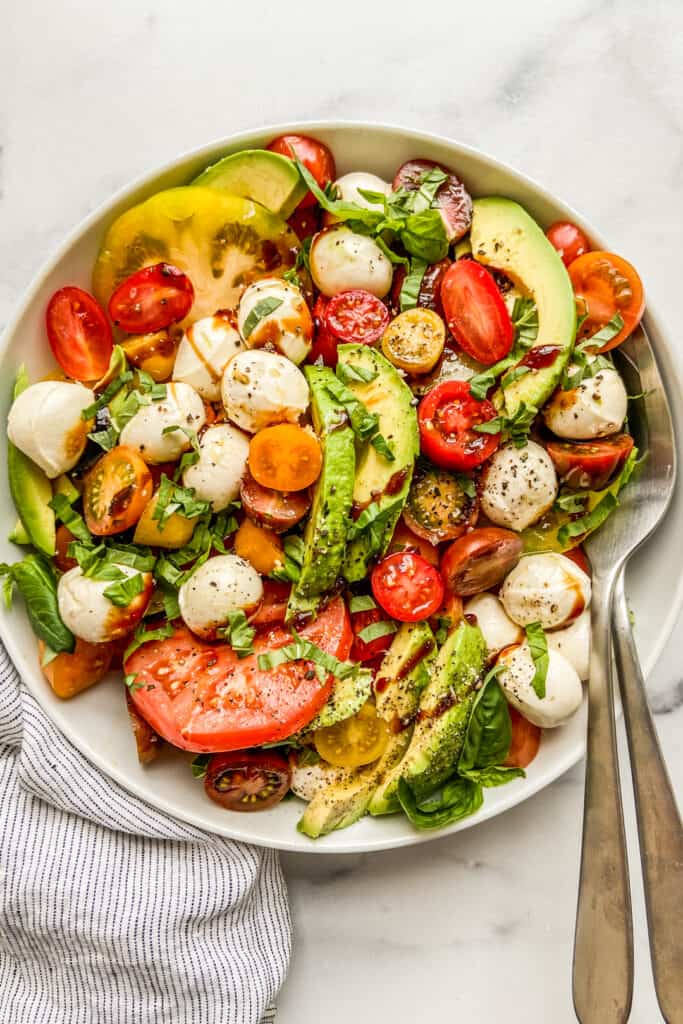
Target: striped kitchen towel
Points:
(113, 913)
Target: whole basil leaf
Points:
(487, 738)
(458, 799)
(424, 235)
(37, 585)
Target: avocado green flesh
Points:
(347, 698)
(506, 238)
(267, 178)
(18, 534)
(31, 491)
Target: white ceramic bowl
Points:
(96, 721)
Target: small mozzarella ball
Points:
(205, 349)
(518, 486)
(309, 780)
(499, 631)
(574, 642)
(341, 260)
(182, 407)
(288, 328)
(546, 588)
(347, 188)
(595, 408)
(89, 614)
(45, 423)
(563, 691)
(223, 584)
(263, 388)
(216, 476)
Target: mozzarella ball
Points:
(347, 188)
(563, 691)
(261, 389)
(499, 631)
(45, 423)
(574, 642)
(223, 584)
(288, 327)
(546, 588)
(310, 779)
(205, 349)
(215, 477)
(518, 486)
(90, 615)
(595, 408)
(341, 260)
(182, 407)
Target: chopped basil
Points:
(261, 310)
(199, 765)
(349, 374)
(525, 321)
(125, 588)
(606, 333)
(444, 623)
(412, 282)
(514, 374)
(290, 571)
(188, 458)
(361, 603)
(150, 387)
(131, 681)
(143, 636)
(365, 424)
(238, 633)
(380, 445)
(61, 506)
(466, 485)
(106, 439)
(591, 521)
(372, 521)
(571, 502)
(105, 398)
(538, 646)
(376, 630)
(303, 650)
(174, 499)
(515, 429)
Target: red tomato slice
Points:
(79, 334)
(407, 586)
(526, 739)
(324, 342)
(313, 155)
(115, 491)
(589, 465)
(248, 780)
(605, 284)
(447, 416)
(151, 299)
(569, 240)
(580, 558)
(475, 312)
(200, 696)
(366, 650)
(356, 316)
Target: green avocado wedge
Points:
(268, 178)
(31, 491)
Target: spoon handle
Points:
(659, 823)
(603, 944)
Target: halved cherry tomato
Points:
(355, 741)
(200, 696)
(452, 198)
(480, 560)
(314, 155)
(406, 539)
(151, 299)
(580, 558)
(62, 540)
(259, 545)
(356, 316)
(115, 491)
(247, 780)
(324, 342)
(148, 743)
(273, 607)
(589, 465)
(452, 610)
(569, 240)
(526, 739)
(429, 296)
(305, 221)
(447, 416)
(278, 510)
(285, 457)
(366, 650)
(69, 674)
(475, 312)
(79, 334)
(605, 284)
(407, 586)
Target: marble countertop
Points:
(586, 97)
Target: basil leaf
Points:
(466, 485)
(142, 636)
(105, 398)
(514, 374)
(106, 439)
(199, 765)
(430, 183)
(174, 499)
(132, 403)
(525, 320)
(591, 521)
(61, 506)
(362, 603)
(37, 585)
(372, 521)
(424, 235)
(238, 633)
(481, 383)
(365, 424)
(571, 503)
(459, 798)
(379, 443)
(294, 558)
(150, 387)
(488, 737)
(262, 309)
(376, 630)
(304, 650)
(494, 426)
(133, 555)
(605, 334)
(125, 590)
(444, 623)
(412, 282)
(538, 646)
(349, 374)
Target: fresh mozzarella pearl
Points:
(89, 614)
(205, 349)
(546, 588)
(182, 407)
(224, 584)
(262, 388)
(341, 260)
(574, 642)
(518, 486)
(595, 408)
(499, 630)
(215, 477)
(45, 423)
(347, 188)
(308, 780)
(563, 692)
(288, 328)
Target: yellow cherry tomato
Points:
(356, 741)
(154, 353)
(414, 340)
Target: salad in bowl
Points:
(312, 474)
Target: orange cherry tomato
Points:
(115, 491)
(604, 285)
(285, 457)
(526, 739)
(68, 674)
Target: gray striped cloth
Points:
(113, 913)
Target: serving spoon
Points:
(603, 947)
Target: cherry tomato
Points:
(438, 508)
(69, 674)
(356, 316)
(407, 587)
(273, 607)
(79, 334)
(475, 312)
(151, 299)
(589, 465)
(569, 240)
(429, 296)
(406, 539)
(115, 491)
(366, 650)
(580, 558)
(247, 780)
(526, 739)
(324, 342)
(305, 221)
(452, 198)
(480, 560)
(605, 284)
(447, 417)
(314, 155)
(355, 741)
(147, 742)
(278, 510)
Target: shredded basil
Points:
(261, 310)
(199, 765)
(61, 506)
(376, 630)
(365, 424)
(304, 650)
(125, 589)
(412, 282)
(290, 571)
(105, 398)
(525, 321)
(361, 603)
(349, 374)
(238, 633)
(373, 521)
(571, 502)
(538, 646)
(174, 499)
(143, 636)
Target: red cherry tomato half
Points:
(526, 739)
(324, 342)
(407, 587)
(447, 416)
(589, 465)
(366, 650)
(314, 155)
(475, 313)
(356, 316)
(151, 299)
(247, 780)
(569, 240)
(480, 560)
(404, 538)
(79, 334)
(605, 284)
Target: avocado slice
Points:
(347, 698)
(269, 178)
(18, 534)
(378, 480)
(31, 491)
(506, 238)
(328, 523)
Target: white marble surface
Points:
(586, 97)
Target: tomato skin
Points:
(568, 239)
(480, 560)
(147, 743)
(406, 539)
(363, 650)
(273, 607)
(452, 198)
(429, 296)
(79, 334)
(446, 417)
(69, 674)
(324, 342)
(589, 465)
(247, 780)
(475, 312)
(62, 540)
(580, 558)
(526, 739)
(314, 155)
(150, 299)
(605, 284)
(305, 221)
(115, 491)
(356, 316)
(407, 587)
